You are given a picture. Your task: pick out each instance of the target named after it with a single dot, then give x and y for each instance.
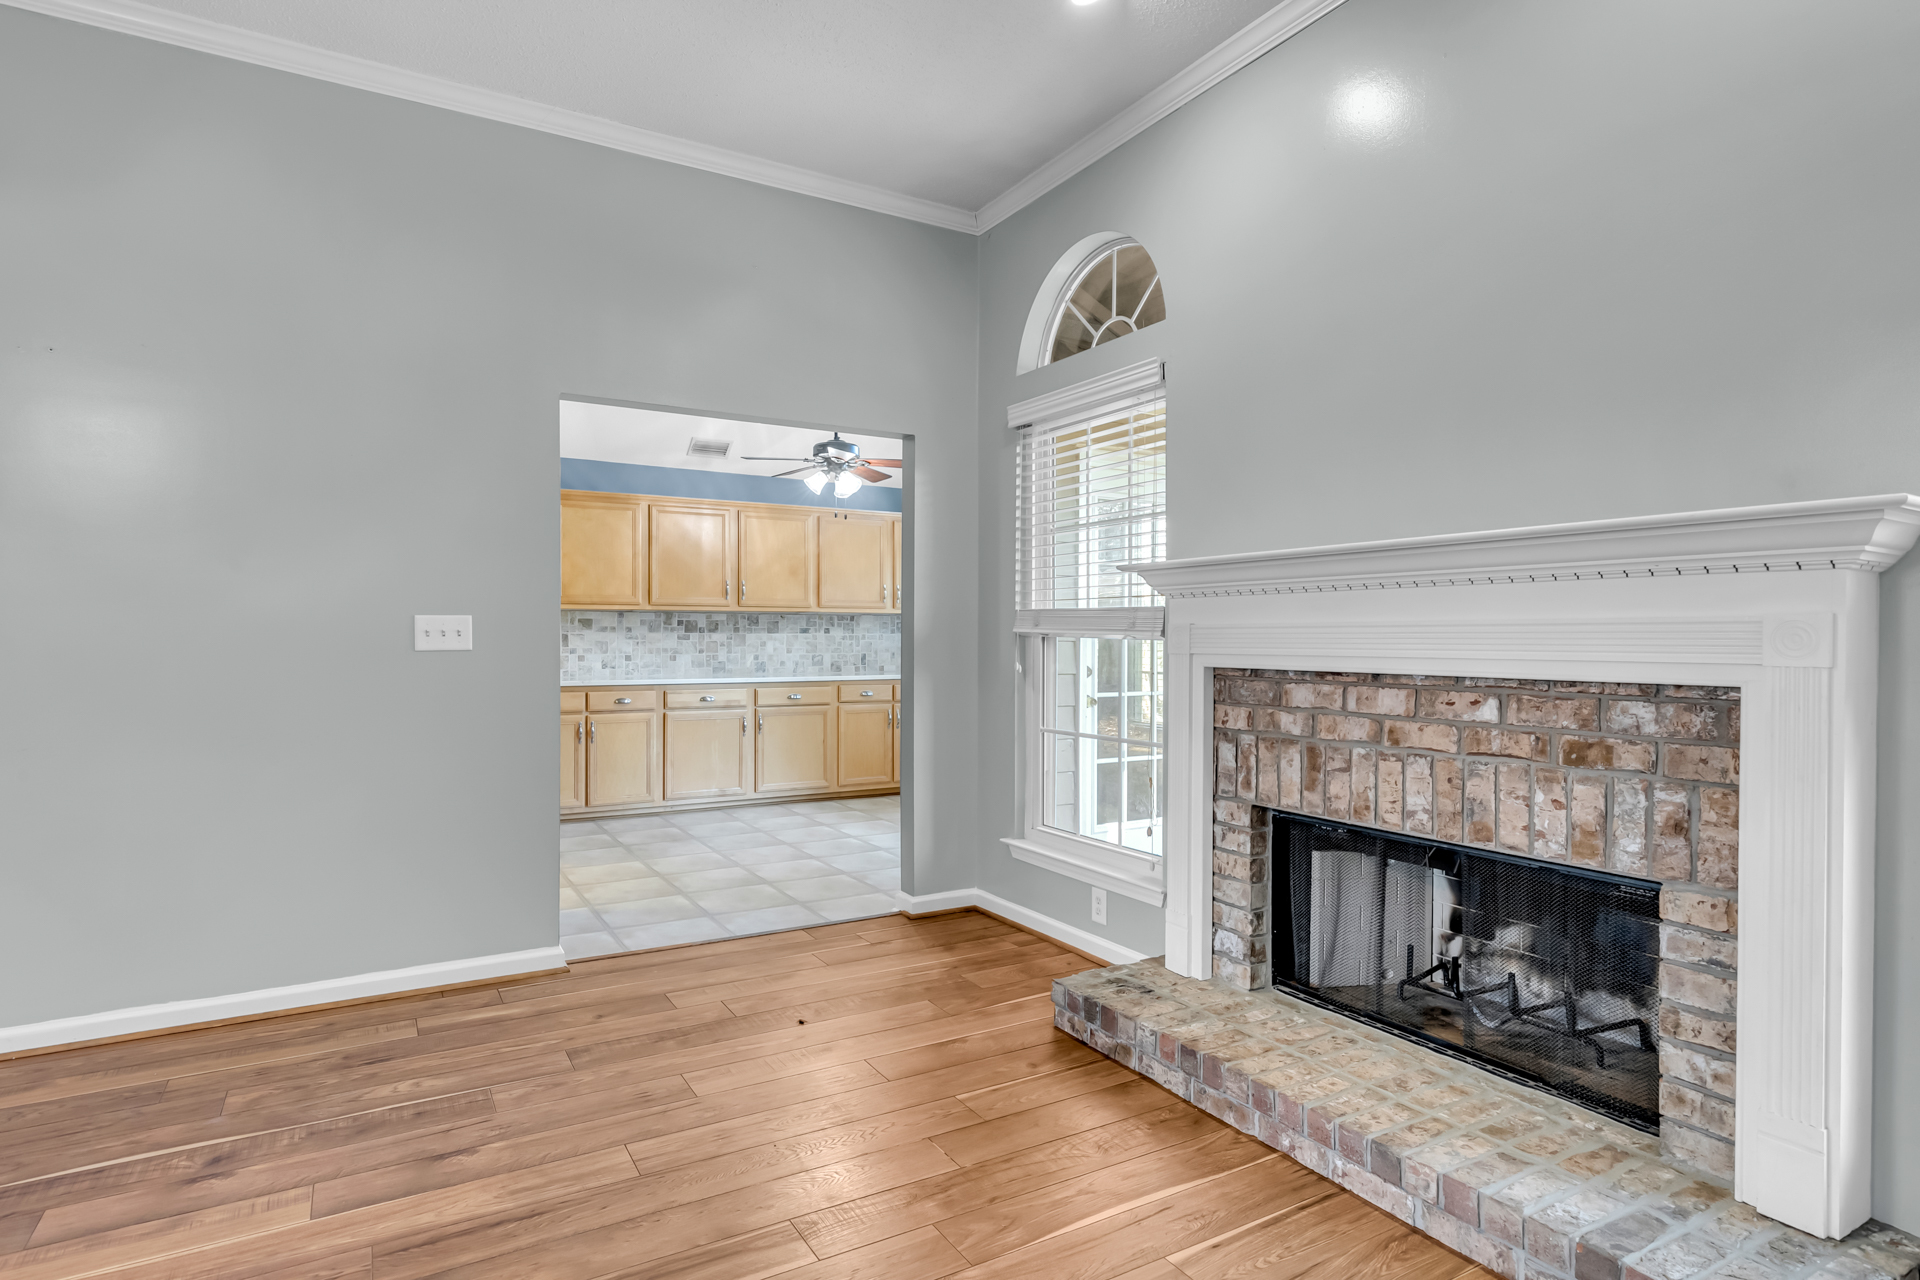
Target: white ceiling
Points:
(652, 438)
(928, 108)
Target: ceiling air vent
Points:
(698, 448)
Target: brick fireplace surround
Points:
(1637, 779)
(1689, 699)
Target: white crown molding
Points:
(132, 18)
(1278, 24)
(1854, 533)
(114, 1023)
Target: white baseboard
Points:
(187, 1013)
(1079, 939)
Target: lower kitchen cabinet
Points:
(866, 744)
(623, 758)
(793, 749)
(709, 755)
(636, 749)
(573, 762)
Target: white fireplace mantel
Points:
(1780, 601)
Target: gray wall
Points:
(282, 357)
(1626, 259)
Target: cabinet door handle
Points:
(743, 726)
(706, 697)
(762, 726)
(592, 734)
(743, 591)
(889, 717)
(622, 701)
(579, 733)
(726, 589)
(795, 697)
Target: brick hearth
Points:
(1528, 1185)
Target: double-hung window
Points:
(1090, 497)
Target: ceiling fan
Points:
(837, 461)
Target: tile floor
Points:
(631, 883)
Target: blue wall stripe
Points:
(718, 486)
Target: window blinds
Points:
(1090, 494)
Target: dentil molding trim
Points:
(114, 1023)
(133, 18)
(1853, 533)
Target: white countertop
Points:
(661, 682)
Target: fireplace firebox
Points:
(1546, 973)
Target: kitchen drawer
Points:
(607, 700)
(813, 695)
(880, 691)
(709, 699)
(896, 691)
(573, 702)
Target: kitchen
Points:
(730, 702)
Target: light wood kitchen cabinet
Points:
(899, 560)
(856, 562)
(778, 548)
(793, 749)
(623, 758)
(602, 551)
(691, 556)
(709, 755)
(865, 746)
(573, 762)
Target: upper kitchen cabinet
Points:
(692, 553)
(856, 562)
(603, 540)
(778, 547)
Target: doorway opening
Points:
(733, 675)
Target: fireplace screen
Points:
(1542, 972)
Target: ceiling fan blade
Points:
(869, 474)
(796, 471)
(748, 457)
(883, 462)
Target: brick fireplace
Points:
(1638, 779)
(1687, 700)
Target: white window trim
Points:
(1140, 876)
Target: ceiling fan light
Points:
(844, 486)
(818, 481)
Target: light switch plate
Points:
(1099, 906)
(443, 631)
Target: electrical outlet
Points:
(443, 631)
(1099, 906)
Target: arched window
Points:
(1115, 292)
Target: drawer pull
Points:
(866, 693)
(706, 697)
(795, 697)
(621, 702)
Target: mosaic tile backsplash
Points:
(608, 645)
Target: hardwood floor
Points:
(878, 1100)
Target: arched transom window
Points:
(1115, 294)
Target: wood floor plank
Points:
(165, 1238)
(878, 1217)
(1054, 1120)
(1021, 1220)
(757, 1255)
(861, 1101)
(999, 1100)
(1116, 1242)
(920, 1255)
